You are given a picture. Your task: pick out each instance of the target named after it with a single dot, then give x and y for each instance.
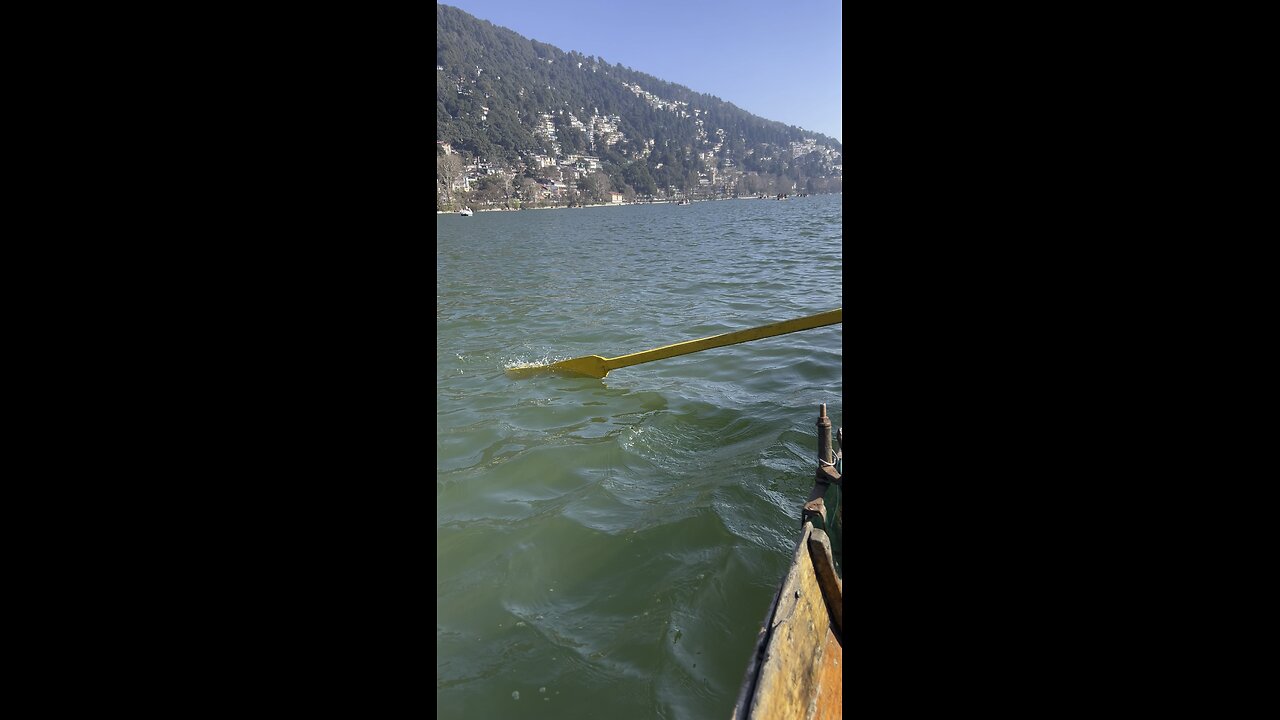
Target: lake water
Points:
(609, 548)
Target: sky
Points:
(780, 60)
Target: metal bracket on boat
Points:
(828, 461)
(815, 511)
(827, 474)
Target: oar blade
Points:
(591, 366)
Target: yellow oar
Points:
(598, 367)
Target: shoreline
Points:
(600, 205)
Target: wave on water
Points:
(617, 541)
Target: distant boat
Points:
(466, 212)
(684, 202)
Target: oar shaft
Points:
(830, 317)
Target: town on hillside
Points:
(521, 124)
(569, 179)
(562, 178)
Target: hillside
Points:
(513, 112)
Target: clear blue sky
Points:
(780, 60)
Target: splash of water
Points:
(522, 363)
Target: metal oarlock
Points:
(824, 435)
(814, 508)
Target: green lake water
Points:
(609, 548)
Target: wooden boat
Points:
(797, 666)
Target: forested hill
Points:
(510, 103)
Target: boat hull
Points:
(795, 671)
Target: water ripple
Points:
(611, 545)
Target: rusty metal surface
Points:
(815, 511)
